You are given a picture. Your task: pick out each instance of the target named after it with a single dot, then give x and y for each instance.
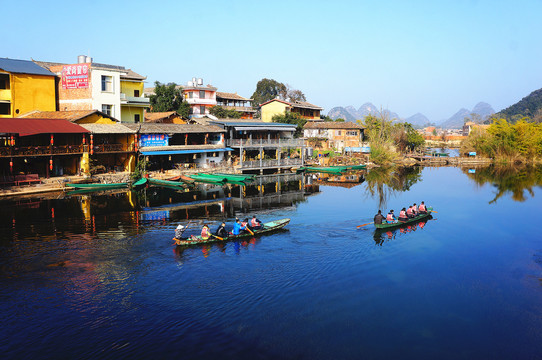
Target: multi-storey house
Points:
(334, 135)
(305, 110)
(236, 102)
(200, 97)
(113, 90)
(24, 87)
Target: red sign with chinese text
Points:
(75, 76)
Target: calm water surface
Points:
(97, 277)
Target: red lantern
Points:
(12, 141)
(91, 144)
(51, 164)
(84, 140)
(52, 140)
(10, 165)
(135, 142)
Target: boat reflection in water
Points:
(382, 235)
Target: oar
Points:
(433, 211)
(218, 237)
(250, 231)
(364, 224)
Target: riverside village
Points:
(184, 219)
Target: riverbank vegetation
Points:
(388, 139)
(505, 142)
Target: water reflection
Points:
(383, 235)
(508, 179)
(383, 182)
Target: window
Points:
(107, 109)
(4, 81)
(202, 94)
(136, 93)
(338, 132)
(107, 83)
(352, 133)
(190, 95)
(136, 118)
(5, 109)
(202, 110)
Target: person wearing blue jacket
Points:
(237, 228)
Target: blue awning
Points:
(173, 152)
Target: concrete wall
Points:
(100, 97)
(30, 92)
(272, 109)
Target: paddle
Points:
(177, 240)
(364, 224)
(250, 231)
(218, 237)
(433, 211)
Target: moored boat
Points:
(409, 221)
(268, 227)
(97, 186)
(175, 184)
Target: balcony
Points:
(41, 150)
(134, 101)
(112, 148)
(198, 101)
(247, 143)
(274, 163)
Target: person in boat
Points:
(378, 217)
(244, 224)
(422, 209)
(390, 218)
(410, 213)
(221, 231)
(205, 233)
(403, 215)
(237, 228)
(415, 209)
(255, 224)
(179, 232)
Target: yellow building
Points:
(132, 101)
(24, 87)
(279, 107)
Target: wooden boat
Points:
(174, 184)
(239, 177)
(207, 180)
(140, 183)
(409, 221)
(187, 179)
(175, 178)
(327, 170)
(268, 227)
(97, 186)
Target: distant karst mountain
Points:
(418, 120)
(456, 121)
(530, 106)
(350, 113)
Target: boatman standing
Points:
(179, 232)
(378, 217)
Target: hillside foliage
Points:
(529, 107)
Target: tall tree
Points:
(295, 95)
(268, 89)
(167, 97)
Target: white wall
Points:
(110, 98)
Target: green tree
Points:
(222, 113)
(268, 89)
(167, 97)
(291, 118)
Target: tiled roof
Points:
(72, 115)
(23, 67)
(297, 104)
(26, 127)
(332, 125)
(108, 129)
(230, 96)
(125, 73)
(154, 117)
(152, 128)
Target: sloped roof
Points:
(152, 128)
(71, 115)
(297, 104)
(125, 73)
(154, 117)
(332, 125)
(108, 129)
(23, 67)
(26, 127)
(231, 96)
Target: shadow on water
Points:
(508, 179)
(381, 236)
(383, 182)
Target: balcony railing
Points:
(265, 142)
(62, 150)
(275, 163)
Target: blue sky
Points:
(433, 57)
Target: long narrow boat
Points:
(409, 221)
(268, 227)
(327, 170)
(187, 179)
(248, 177)
(97, 186)
(206, 180)
(139, 183)
(175, 184)
(351, 167)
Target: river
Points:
(96, 276)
